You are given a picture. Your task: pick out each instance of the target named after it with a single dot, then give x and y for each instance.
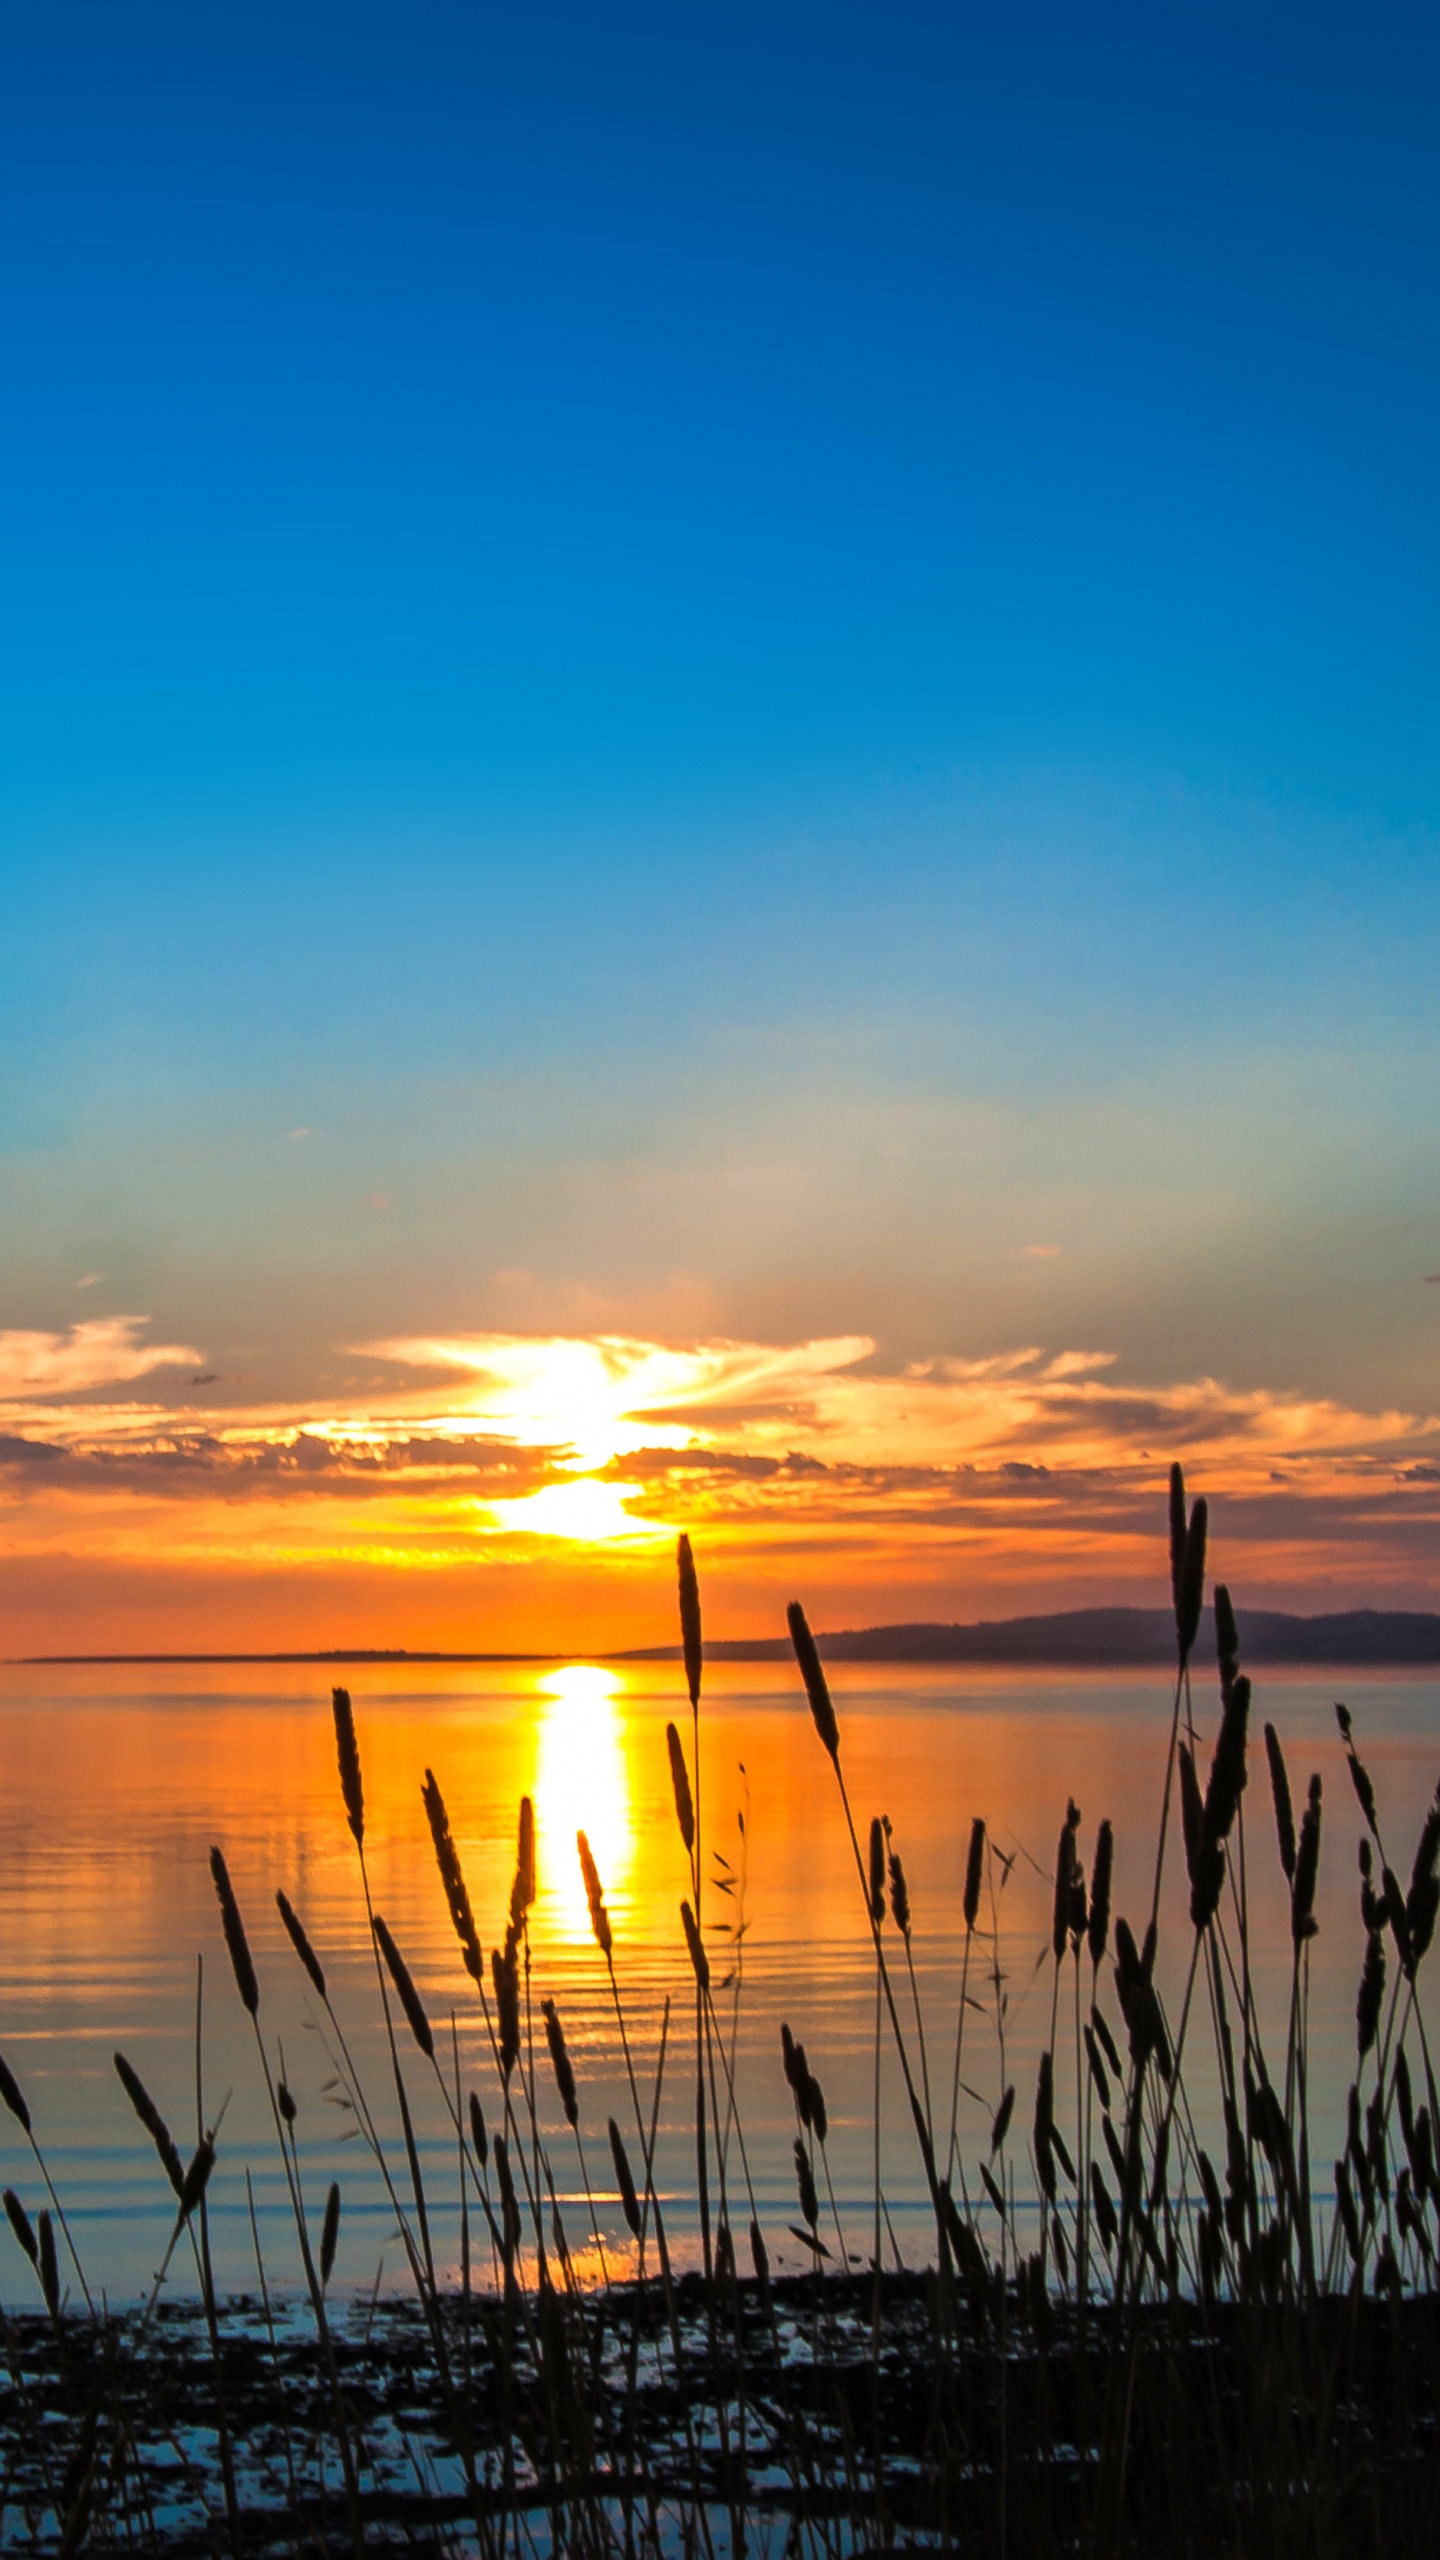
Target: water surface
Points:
(117, 1780)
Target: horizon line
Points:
(1135, 1620)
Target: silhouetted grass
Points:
(1154, 2318)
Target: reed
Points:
(1142, 2326)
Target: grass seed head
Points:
(347, 1753)
(1177, 1533)
(1371, 1993)
(1284, 1810)
(330, 2233)
(1044, 2126)
(560, 2062)
(1227, 1768)
(680, 1783)
(1349, 2219)
(20, 2224)
(1374, 1907)
(522, 1892)
(1101, 1874)
(49, 2269)
(811, 1673)
(1398, 1914)
(235, 1938)
(1422, 1903)
(599, 1916)
(819, 2113)
(877, 1871)
(13, 2095)
(1064, 1880)
(1191, 1595)
(1359, 1774)
(1421, 1913)
(410, 2000)
(1307, 1867)
(805, 2184)
(802, 2086)
(447, 1859)
(1101, 2025)
(629, 2201)
(1405, 2097)
(1227, 1641)
(974, 1862)
(1192, 1812)
(197, 2177)
(693, 1941)
(689, 1619)
(295, 1931)
(1105, 2221)
(509, 2202)
(505, 1977)
(153, 2121)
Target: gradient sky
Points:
(759, 683)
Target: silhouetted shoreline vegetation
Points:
(1164, 2309)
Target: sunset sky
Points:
(718, 809)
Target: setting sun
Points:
(590, 1512)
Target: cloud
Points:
(164, 1461)
(105, 1353)
(1032, 1473)
(601, 1395)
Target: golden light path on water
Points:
(581, 1784)
(117, 1780)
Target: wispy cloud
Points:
(604, 1394)
(106, 1352)
(1029, 1477)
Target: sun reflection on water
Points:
(580, 1784)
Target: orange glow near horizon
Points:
(522, 1498)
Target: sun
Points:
(583, 1509)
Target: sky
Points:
(718, 809)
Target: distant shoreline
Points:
(1070, 1639)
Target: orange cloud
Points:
(523, 1492)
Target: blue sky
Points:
(751, 659)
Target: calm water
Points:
(117, 1781)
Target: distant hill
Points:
(1106, 1639)
(1102, 1639)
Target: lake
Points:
(118, 1779)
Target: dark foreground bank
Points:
(831, 2416)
